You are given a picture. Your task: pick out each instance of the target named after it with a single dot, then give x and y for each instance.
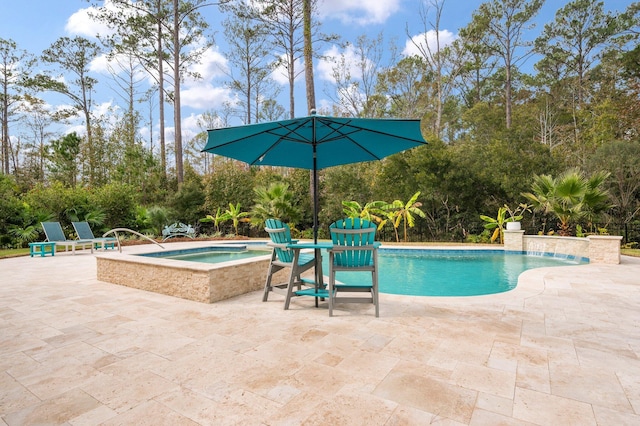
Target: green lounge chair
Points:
(55, 234)
(282, 257)
(84, 232)
(354, 250)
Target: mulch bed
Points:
(178, 240)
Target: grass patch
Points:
(13, 252)
(630, 252)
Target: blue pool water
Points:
(217, 254)
(451, 272)
(218, 257)
(414, 272)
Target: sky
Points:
(35, 24)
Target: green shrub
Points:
(118, 202)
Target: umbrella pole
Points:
(317, 251)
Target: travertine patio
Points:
(562, 348)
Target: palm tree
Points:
(29, 228)
(570, 197)
(405, 212)
(274, 201)
(235, 215)
(596, 198)
(497, 224)
(217, 219)
(369, 211)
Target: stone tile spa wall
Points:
(201, 282)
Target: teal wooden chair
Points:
(354, 250)
(284, 257)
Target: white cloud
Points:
(212, 64)
(100, 64)
(425, 40)
(190, 126)
(205, 96)
(205, 93)
(280, 74)
(78, 129)
(81, 23)
(104, 109)
(360, 12)
(324, 66)
(332, 57)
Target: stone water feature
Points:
(596, 248)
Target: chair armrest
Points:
(336, 248)
(283, 246)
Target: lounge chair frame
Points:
(84, 232)
(55, 234)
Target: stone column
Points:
(604, 249)
(514, 240)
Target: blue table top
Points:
(327, 245)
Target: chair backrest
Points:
(83, 230)
(357, 233)
(280, 233)
(53, 231)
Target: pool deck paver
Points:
(562, 348)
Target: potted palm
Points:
(515, 216)
(502, 221)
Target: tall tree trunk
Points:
(177, 116)
(311, 98)
(163, 150)
(292, 75)
(5, 131)
(90, 150)
(308, 57)
(507, 95)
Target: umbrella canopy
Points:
(335, 141)
(315, 142)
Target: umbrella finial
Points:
(313, 111)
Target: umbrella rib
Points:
(361, 129)
(285, 137)
(335, 131)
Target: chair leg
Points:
(374, 292)
(292, 279)
(272, 270)
(287, 300)
(332, 293)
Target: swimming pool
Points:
(412, 272)
(425, 272)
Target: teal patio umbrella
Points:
(315, 142)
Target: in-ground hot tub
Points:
(200, 282)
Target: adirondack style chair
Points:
(354, 250)
(283, 256)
